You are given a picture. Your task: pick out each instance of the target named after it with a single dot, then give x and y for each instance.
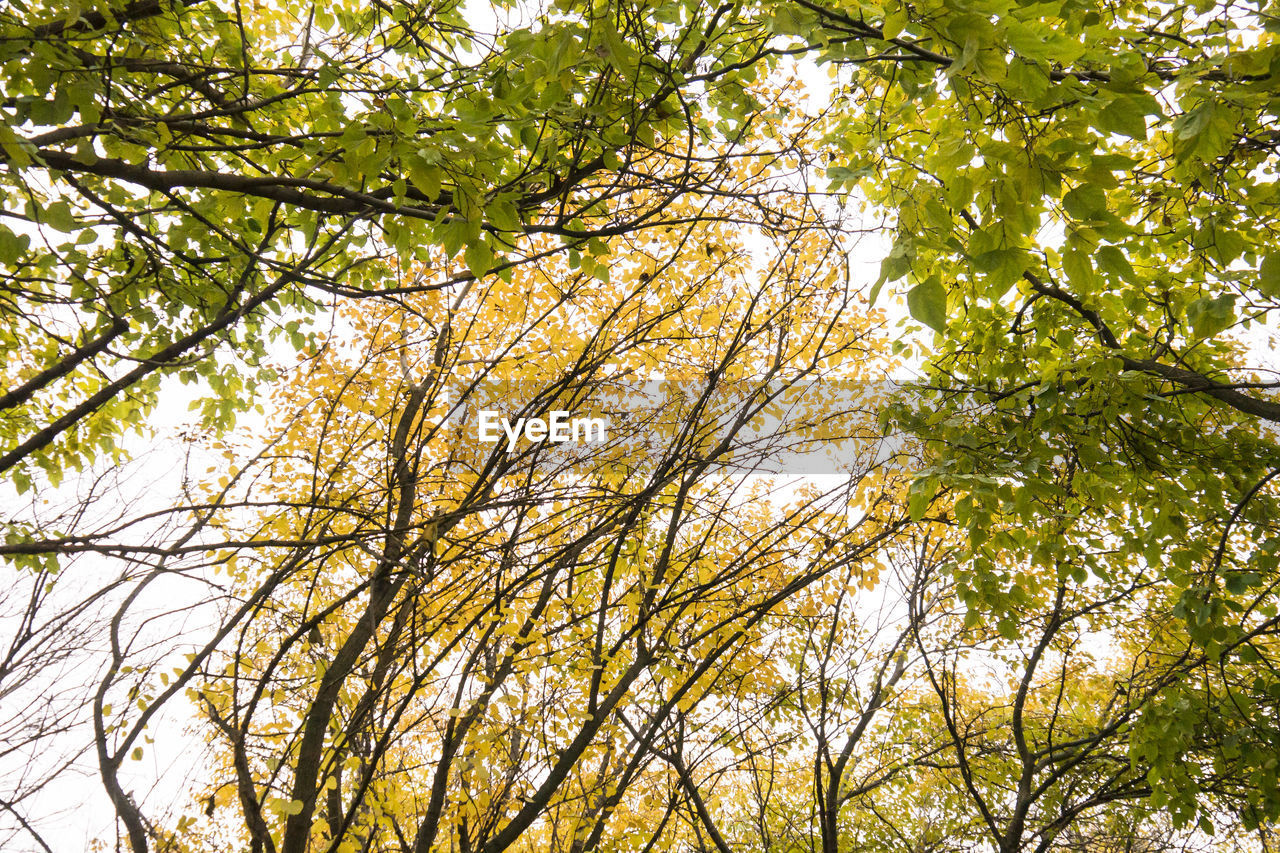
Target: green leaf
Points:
(846, 176)
(1085, 202)
(424, 177)
(895, 22)
(14, 149)
(12, 246)
(1079, 269)
(1269, 275)
(479, 257)
(893, 268)
(453, 235)
(1125, 117)
(920, 496)
(898, 262)
(1210, 315)
(1111, 260)
(875, 291)
(927, 302)
(58, 216)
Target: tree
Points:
(1090, 240)
(421, 640)
(51, 637)
(190, 182)
(1081, 199)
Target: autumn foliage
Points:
(936, 505)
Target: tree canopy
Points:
(1033, 606)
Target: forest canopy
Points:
(1005, 274)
